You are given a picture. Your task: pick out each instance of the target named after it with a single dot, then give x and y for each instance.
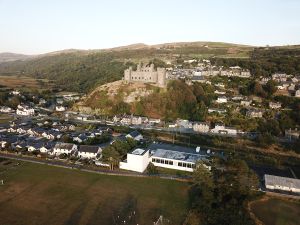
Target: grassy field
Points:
(5, 118)
(277, 212)
(38, 194)
(23, 82)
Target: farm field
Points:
(274, 211)
(23, 82)
(39, 194)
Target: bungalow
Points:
(66, 148)
(245, 103)
(88, 151)
(282, 183)
(254, 113)
(221, 129)
(221, 99)
(60, 108)
(6, 109)
(275, 105)
(135, 135)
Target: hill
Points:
(8, 57)
(83, 70)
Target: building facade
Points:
(146, 74)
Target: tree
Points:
(270, 87)
(151, 169)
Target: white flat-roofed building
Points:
(137, 160)
(221, 99)
(282, 183)
(176, 157)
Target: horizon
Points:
(34, 27)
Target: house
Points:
(47, 147)
(66, 148)
(135, 135)
(24, 110)
(220, 111)
(245, 103)
(292, 134)
(282, 183)
(138, 120)
(254, 113)
(221, 129)
(6, 109)
(297, 93)
(184, 124)
(221, 99)
(80, 138)
(201, 127)
(154, 121)
(137, 160)
(275, 105)
(88, 151)
(60, 108)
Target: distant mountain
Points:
(8, 57)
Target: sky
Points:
(40, 26)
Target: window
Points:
(184, 164)
(179, 164)
(189, 165)
(158, 160)
(170, 162)
(162, 161)
(153, 160)
(167, 162)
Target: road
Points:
(89, 170)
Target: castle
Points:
(146, 74)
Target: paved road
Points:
(90, 170)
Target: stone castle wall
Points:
(146, 74)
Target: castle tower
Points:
(161, 77)
(127, 74)
(139, 66)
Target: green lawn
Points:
(38, 194)
(277, 212)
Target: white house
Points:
(66, 148)
(255, 113)
(135, 135)
(275, 105)
(137, 160)
(297, 93)
(221, 99)
(24, 110)
(88, 151)
(221, 129)
(6, 109)
(201, 127)
(282, 183)
(245, 103)
(60, 108)
(138, 120)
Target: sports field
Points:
(274, 211)
(39, 194)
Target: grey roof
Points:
(88, 148)
(177, 152)
(138, 151)
(64, 146)
(282, 181)
(134, 134)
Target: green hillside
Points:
(80, 70)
